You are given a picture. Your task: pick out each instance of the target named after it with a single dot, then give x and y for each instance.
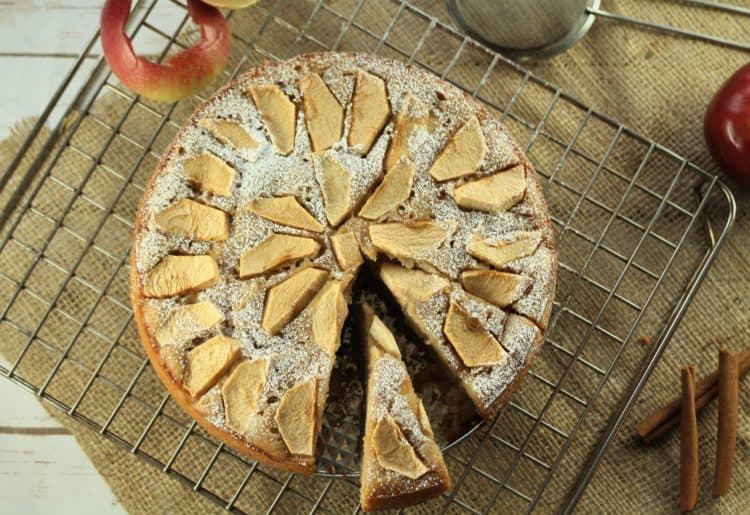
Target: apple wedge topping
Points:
(494, 193)
(413, 115)
(500, 253)
(411, 286)
(392, 191)
(473, 343)
(499, 288)
(285, 211)
(370, 112)
(210, 174)
(194, 220)
(328, 311)
(274, 252)
(278, 113)
(462, 153)
(295, 417)
(336, 190)
(380, 339)
(177, 275)
(241, 393)
(324, 116)
(346, 250)
(411, 289)
(186, 322)
(394, 452)
(407, 241)
(208, 362)
(287, 299)
(181, 325)
(230, 133)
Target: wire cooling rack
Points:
(630, 219)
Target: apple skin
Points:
(232, 4)
(726, 126)
(181, 75)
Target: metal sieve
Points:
(534, 29)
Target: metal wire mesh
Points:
(628, 222)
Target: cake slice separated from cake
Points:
(401, 463)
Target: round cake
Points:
(280, 189)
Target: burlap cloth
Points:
(659, 85)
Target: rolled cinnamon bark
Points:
(663, 420)
(688, 443)
(728, 414)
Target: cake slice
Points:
(401, 463)
(485, 348)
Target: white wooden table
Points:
(41, 465)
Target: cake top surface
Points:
(283, 184)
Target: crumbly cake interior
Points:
(253, 229)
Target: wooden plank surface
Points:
(42, 468)
(39, 41)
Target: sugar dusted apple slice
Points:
(328, 311)
(346, 250)
(411, 286)
(380, 339)
(500, 288)
(370, 112)
(336, 190)
(210, 174)
(274, 252)
(394, 452)
(295, 417)
(462, 154)
(193, 220)
(230, 133)
(278, 114)
(391, 192)
(186, 322)
(500, 253)
(285, 211)
(181, 325)
(288, 298)
(413, 116)
(472, 342)
(177, 275)
(241, 393)
(324, 116)
(494, 193)
(407, 241)
(208, 362)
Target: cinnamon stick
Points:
(688, 443)
(728, 414)
(663, 420)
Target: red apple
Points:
(182, 74)
(727, 126)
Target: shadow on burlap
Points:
(657, 84)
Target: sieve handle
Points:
(734, 9)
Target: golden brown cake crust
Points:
(534, 198)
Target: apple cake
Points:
(280, 188)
